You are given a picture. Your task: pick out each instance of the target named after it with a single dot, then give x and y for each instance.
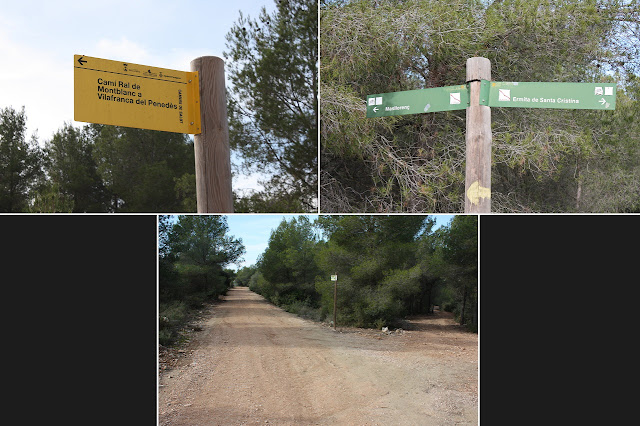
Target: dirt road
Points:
(255, 363)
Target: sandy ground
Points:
(253, 363)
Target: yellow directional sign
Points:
(133, 95)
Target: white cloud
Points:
(180, 59)
(248, 182)
(121, 50)
(38, 80)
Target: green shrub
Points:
(304, 310)
(172, 316)
(166, 337)
(195, 301)
(175, 313)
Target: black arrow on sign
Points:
(81, 61)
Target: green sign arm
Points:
(495, 94)
(448, 98)
(548, 95)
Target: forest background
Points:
(543, 160)
(388, 267)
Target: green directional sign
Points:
(448, 98)
(548, 95)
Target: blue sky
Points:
(256, 229)
(39, 38)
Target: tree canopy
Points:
(20, 162)
(273, 106)
(388, 267)
(96, 168)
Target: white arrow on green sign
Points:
(548, 95)
(448, 98)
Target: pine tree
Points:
(273, 107)
(20, 162)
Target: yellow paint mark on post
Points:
(133, 95)
(475, 192)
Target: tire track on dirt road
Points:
(255, 363)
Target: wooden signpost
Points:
(477, 96)
(144, 97)
(477, 181)
(213, 155)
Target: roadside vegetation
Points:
(388, 267)
(193, 254)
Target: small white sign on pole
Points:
(334, 278)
